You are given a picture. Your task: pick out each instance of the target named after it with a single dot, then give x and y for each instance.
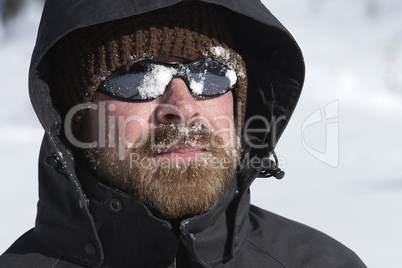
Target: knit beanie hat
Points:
(190, 30)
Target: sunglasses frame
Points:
(181, 72)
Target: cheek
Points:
(118, 122)
(219, 112)
(132, 122)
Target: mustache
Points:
(166, 137)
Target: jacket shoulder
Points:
(28, 251)
(292, 244)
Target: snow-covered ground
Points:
(349, 116)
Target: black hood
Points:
(275, 65)
(275, 70)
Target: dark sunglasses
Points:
(147, 80)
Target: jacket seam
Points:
(266, 253)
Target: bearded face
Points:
(175, 153)
(178, 171)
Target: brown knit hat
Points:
(190, 30)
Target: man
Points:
(158, 117)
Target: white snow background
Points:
(353, 53)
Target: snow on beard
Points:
(174, 187)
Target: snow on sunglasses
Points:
(147, 80)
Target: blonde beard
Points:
(176, 188)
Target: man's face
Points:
(175, 153)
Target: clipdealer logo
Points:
(327, 117)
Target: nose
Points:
(177, 105)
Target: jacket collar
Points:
(110, 228)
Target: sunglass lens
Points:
(210, 79)
(125, 86)
(141, 81)
(215, 85)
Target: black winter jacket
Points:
(83, 223)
